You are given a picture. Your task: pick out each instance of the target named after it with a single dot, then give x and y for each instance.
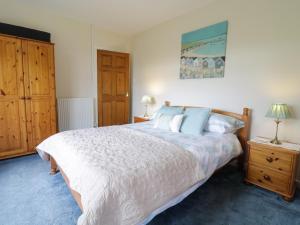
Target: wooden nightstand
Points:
(139, 119)
(273, 167)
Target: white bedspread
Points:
(122, 174)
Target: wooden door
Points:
(38, 65)
(113, 88)
(12, 108)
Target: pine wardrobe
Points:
(27, 95)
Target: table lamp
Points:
(279, 112)
(146, 100)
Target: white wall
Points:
(262, 62)
(75, 46)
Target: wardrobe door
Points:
(38, 64)
(12, 109)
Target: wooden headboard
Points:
(243, 134)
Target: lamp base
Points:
(146, 111)
(276, 141)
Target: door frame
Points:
(99, 82)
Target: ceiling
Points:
(126, 17)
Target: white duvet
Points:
(122, 174)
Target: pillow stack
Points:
(195, 121)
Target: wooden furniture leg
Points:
(53, 166)
(288, 199)
(54, 170)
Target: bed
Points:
(128, 174)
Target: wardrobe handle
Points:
(266, 177)
(269, 159)
(28, 98)
(2, 92)
(22, 98)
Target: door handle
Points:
(25, 98)
(127, 94)
(2, 92)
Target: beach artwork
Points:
(203, 52)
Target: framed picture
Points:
(203, 52)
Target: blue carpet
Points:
(30, 196)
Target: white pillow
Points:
(219, 123)
(176, 122)
(168, 122)
(163, 121)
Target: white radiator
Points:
(75, 113)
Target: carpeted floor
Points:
(30, 196)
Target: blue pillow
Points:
(169, 110)
(195, 120)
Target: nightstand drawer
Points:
(268, 178)
(273, 159)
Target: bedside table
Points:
(273, 167)
(139, 119)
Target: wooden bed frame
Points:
(242, 134)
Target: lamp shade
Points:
(146, 99)
(279, 111)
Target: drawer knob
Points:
(269, 159)
(266, 177)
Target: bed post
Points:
(53, 166)
(167, 103)
(244, 137)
